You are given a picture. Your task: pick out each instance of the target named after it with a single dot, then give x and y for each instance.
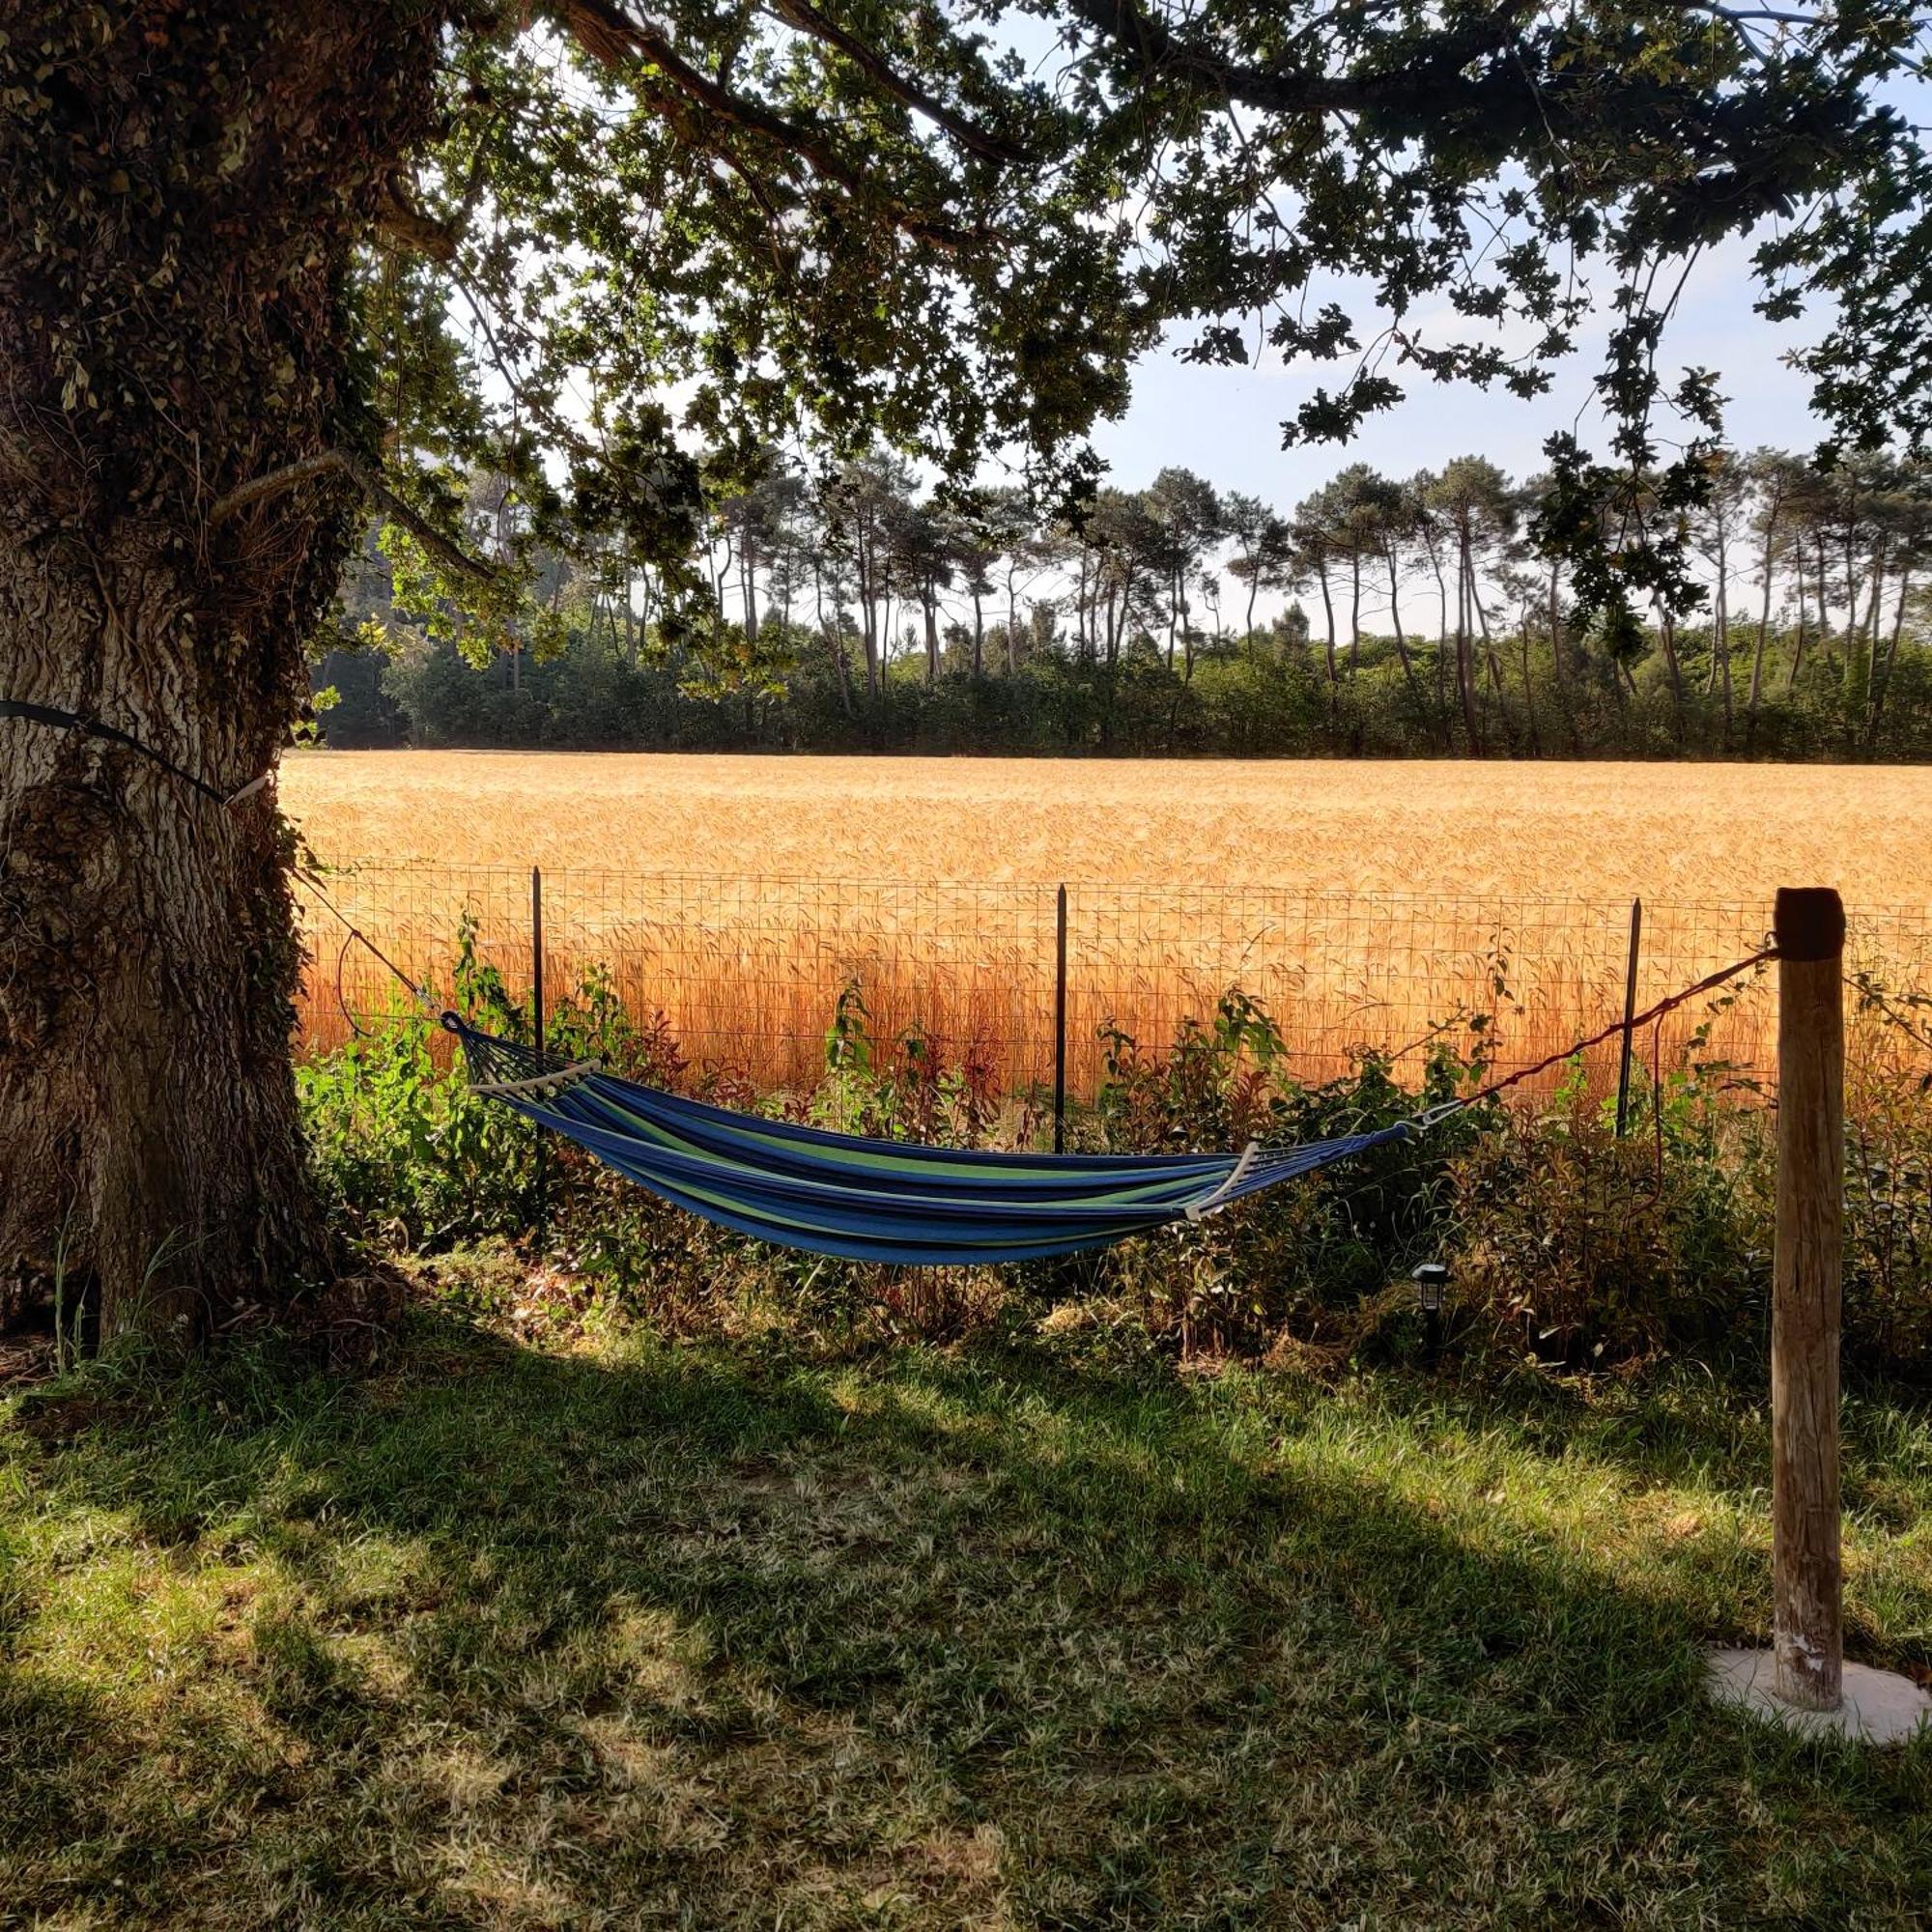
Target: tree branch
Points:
(401, 223)
(614, 38)
(807, 19)
(276, 483)
(1133, 30)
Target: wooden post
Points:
(1060, 1025)
(1807, 1615)
(537, 1005)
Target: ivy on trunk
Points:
(187, 189)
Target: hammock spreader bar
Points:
(871, 1200)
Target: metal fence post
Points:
(1060, 1025)
(537, 1028)
(1630, 1014)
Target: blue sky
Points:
(1226, 422)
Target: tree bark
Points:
(1666, 632)
(1874, 647)
(149, 1147)
(1328, 617)
(1798, 641)
(868, 594)
(1721, 643)
(1466, 668)
(1882, 676)
(1416, 698)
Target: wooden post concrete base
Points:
(1805, 1681)
(1874, 1707)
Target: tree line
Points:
(1378, 615)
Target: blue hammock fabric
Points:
(873, 1199)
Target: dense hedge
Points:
(1269, 696)
(1570, 1247)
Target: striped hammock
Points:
(873, 1199)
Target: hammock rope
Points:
(862, 1199)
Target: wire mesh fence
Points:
(747, 971)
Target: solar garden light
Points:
(1431, 1281)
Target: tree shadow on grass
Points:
(520, 1636)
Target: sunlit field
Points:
(1362, 903)
(1675, 832)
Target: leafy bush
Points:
(1309, 1254)
(1888, 1176)
(1569, 1245)
(1586, 1250)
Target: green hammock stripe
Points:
(1116, 1197)
(976, 1242)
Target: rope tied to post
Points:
(1709, 983)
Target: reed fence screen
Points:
(747, 971)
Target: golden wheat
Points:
(1359, 902)
(1671, 832)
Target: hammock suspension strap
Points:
(55, 718)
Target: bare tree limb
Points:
(276, 483)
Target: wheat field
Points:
(1362, 903)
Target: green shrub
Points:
(399, 1146)
(1576, 1247)
(1569, 1245)
(1308, 1255)
(1888, 1176)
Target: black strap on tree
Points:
(92, 728)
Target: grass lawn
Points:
(610, 1632)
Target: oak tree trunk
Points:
(187, 183)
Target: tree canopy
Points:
(953, 227)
